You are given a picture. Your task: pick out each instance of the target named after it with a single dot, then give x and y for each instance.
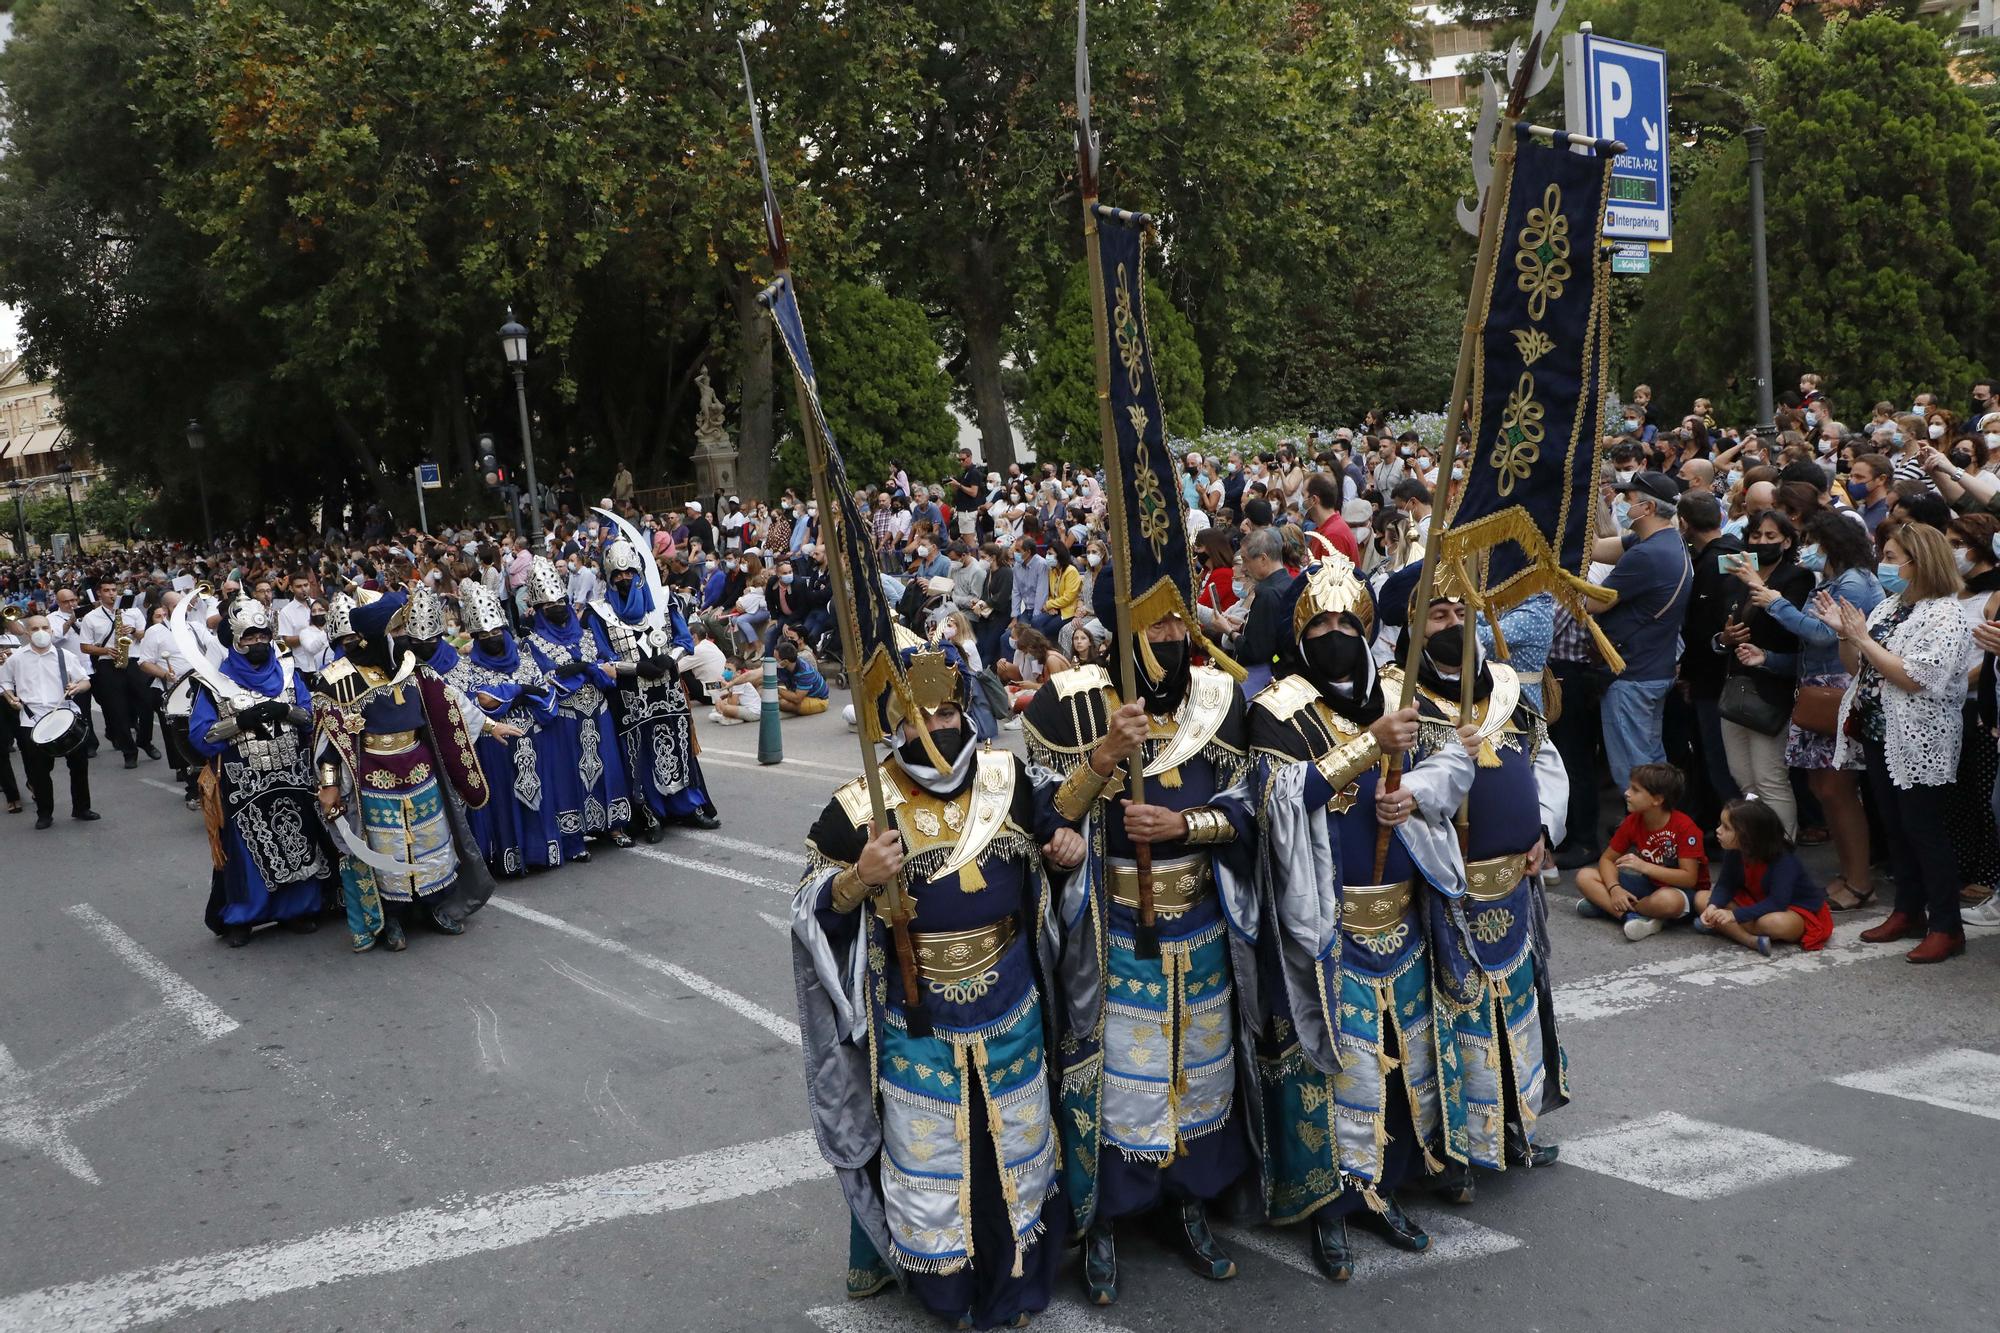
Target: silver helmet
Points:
(619, 557)
(338, 626)
(246, 614)
(479, 610)
(423, 618)
(545, 585)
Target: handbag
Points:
(1818, 709)
(1745, 705)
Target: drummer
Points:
(35, 682)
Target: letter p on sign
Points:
(1614, 97)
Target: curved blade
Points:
(658, 618)
(203, 669)
(352, 844)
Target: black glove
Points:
(652, 668)
(270, 713)
(571, 670)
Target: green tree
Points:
(1882, 191)
(1060, 404)
(882, 384)
(115, 509)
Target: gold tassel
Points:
(969, 878)
(1170, 779)
(1488, 756)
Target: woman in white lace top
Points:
(1909, 659)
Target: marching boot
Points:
(705, 817)
(393, 938)
(655, 829)
(238, 936)
(1895, 926)
(1329, 1246)
(1397, 1227)
(1454, 1183)
(1203, 1255)
(1521, 1153)
(445, 922)
(1100, 1264)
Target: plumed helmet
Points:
(1330, 586)
(426, 616)
(246, 614)
(545, 585)
(338, 626)
(479, 610)
(937, 677)
(619, 557)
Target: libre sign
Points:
(1615, 90)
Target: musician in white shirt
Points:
(33, 681)
(113, 689)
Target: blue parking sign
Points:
(1616, 90)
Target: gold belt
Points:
(1371, 909)
(394, 742)
(1177, 884)
(1495, 878)
(946, 956)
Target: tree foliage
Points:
(1060, 403)
(1882, 191)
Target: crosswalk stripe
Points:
(1695, 1159)
(890, 1313)
(1453, 1240)
(785, 855)
(1587, 999)
(1958, 1080)
(711, 868)
(414, 1239)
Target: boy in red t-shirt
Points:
(1656, 862)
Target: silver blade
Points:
(204, 670)
(353, 845)
(658, 618)
(772, 230)
(1084, 132)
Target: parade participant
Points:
(340, 635)
(943, 1141)
(272, 860)
(390, 739)
(106, 635)
(36, 681)
(516, 828)
(585, 774)
(655, 725)
(1148, 1121)
(1353, 1095)
(1496, 987)
(160, 657)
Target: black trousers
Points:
(112, 691)
(10, 735)
(1920, 846)
(1578, 736)
(40, 761)
(145, 704)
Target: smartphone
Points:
(1732, 561)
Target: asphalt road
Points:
(587, 1113)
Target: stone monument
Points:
(714, 449)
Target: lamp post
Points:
(1760, 286)
(63, 469)
(514, 346)
(197, 441)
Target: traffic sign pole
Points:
(423, 516)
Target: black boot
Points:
(705, 817)
(1100, 1264)
(446, 923)
(1454, 1183)
(238, 936)
(1203, 1255)
(1329, 1246)
(1523, 1154)
(393, 939)
(1397, 1227)
(655, 829)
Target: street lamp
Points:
(514, 346)
(64, 468)
(20, 518)
(1760, 286)
(198, 440)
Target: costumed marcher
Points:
(655, 724)
(273, 860)
(1354, 1082)
(340, 635)
(516, 828)
(583, 771)
(944, 1143)
(1149, 1084)
(391, 740)
(1493, 977)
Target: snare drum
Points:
(59, 730)
(180, 700)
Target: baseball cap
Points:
(1654, 486)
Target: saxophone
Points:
(124, 658)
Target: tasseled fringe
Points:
(934, 1265)
(1373, 1199)
(1081, 1076)
(999, 1027)
(211, 814)
(963, 1131)
(1006, 843)
(995, 1126)
(1169, 778)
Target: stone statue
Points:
(709, 431)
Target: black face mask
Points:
(623, 583)
(1165, 695)
(556, 613)
(257, 654)
(950, 741)
(422, 649)
(1446, 649)
(1768, 553)
(492, 644)
(319, 621)
(1334, 657)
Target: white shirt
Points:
(708, 662)
(314, 650)
(35, 678)
(63, 629)
(102, 627)
(294, 617)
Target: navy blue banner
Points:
(1525, 517)
(849, 538)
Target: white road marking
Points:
(1958, 1080)
(750, 757)
(175, 993)
(729, 999)
(629, 1003)
(1695, 1159)
(414, 1239)
(354, 1116)
(486, 1031)
(776, 923)
(790, 856)
(1588, 999)
(891, 1313)
(173, 787)
(1453, 1240)
(710, 868)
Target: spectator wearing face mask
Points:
(1766, 657)
(1868, 487)
(1969, 816)
(1323, 513)
(1651, 577)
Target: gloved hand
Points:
(652, 668)
(571, 670)
(270, 713)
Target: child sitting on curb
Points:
(1655, 868)
(1762, 890)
